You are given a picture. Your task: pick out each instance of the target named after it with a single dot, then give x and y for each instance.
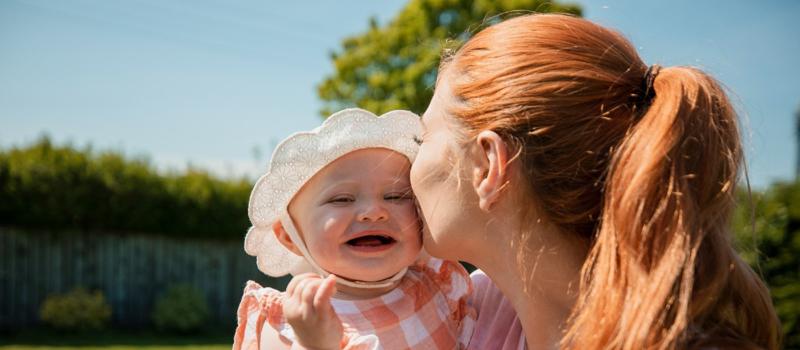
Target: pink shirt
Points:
(497, 326)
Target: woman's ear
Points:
(490, 171)
(284, 237)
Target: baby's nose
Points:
(373, 212)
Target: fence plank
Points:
(131, 270)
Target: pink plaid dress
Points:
(428, 310)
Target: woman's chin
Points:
(436, 248)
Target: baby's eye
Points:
(341, 199)
(397, 196)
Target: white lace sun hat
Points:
(297, 159)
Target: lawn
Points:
(114, 340)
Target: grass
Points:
(114, 340)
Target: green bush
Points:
(181, 309)
(47, 186)
(78, 310)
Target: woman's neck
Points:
(544, 299)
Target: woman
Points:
(593, 190)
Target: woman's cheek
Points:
(415, 174)
(422, 166)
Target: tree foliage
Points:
(394, 66)
(767, 232)
(60, 187)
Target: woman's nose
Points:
(373, 212)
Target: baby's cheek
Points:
(333, 225)
(409, 211)
(411, 220)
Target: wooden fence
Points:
(131, 270)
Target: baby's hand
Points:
(309, 311)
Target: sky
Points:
(217, 84)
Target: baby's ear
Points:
(284, 238)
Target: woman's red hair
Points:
(648, 181)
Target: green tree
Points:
(767, 231)
(394, 66)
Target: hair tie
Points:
(645, 94)
(649, 78)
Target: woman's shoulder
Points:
(497, 325)
(485, 290)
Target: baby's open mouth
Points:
(371, 241)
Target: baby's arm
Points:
(308, 310)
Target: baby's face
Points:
(358, 217)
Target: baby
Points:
(335, 210)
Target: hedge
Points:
(47, 186)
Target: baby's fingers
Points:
(322, 299)
(298, 281)
(309, 290)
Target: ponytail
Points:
(645, 176)
(662, 271)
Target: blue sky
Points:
(217, 84)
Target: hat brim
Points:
(272, 258)
(300, 156)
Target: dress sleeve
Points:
(259, 306)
